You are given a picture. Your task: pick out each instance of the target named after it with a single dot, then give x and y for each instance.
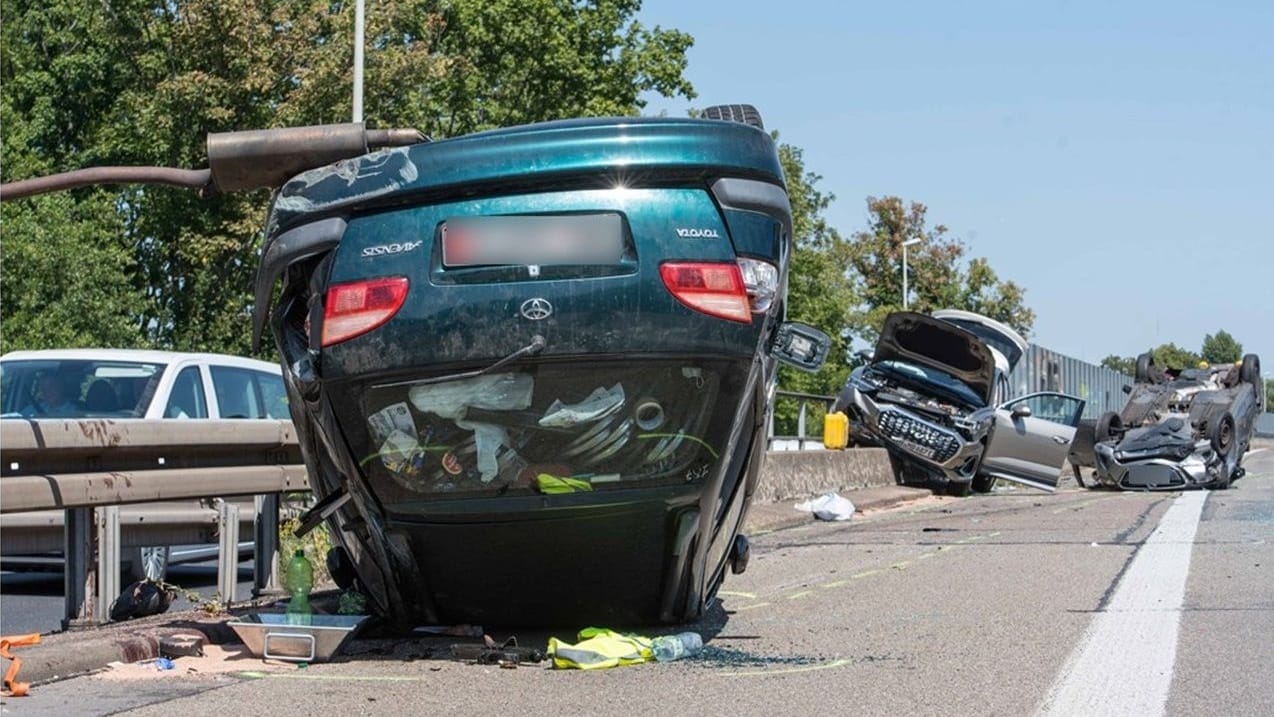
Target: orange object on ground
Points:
(15, 688)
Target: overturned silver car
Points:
(1181, 429)
(934, 394)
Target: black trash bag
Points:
(142, 598)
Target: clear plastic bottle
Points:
(674, 647)
(300, 581)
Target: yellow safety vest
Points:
(599, 648)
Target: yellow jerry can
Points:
(835, 431)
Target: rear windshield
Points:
(548, 429)
(80, 388)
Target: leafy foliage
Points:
(140, 82)
(1221, 348)
(820, 291)
(1122, 364)
(939, 276)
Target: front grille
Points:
(913, 433)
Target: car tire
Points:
(959, 489)
(1222, 437)
(745, 114)
(1108, 426)
(1250, 371)
(1144, 363)
(983, 483)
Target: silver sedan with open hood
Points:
(933, 394)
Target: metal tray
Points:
(296, 638)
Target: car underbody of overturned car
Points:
(530, 369)
(933, 395)
(1180, 429)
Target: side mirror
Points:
(1126, 388)
(801, 345)
(1021, 411)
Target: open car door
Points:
(1031, 438)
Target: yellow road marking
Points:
(834, 584)
(901, 566)
(809, 668)
(328, 676)
(802, 594)
(733, 593)
(925, 556)
(864, 574)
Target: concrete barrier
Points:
(789, 475)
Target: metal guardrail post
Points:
(265, 551)
(107, 561)
(228, 554)
(800, 426)
(78, 575)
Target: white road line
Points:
(1123, 664)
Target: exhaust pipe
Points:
(237, 161)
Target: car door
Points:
(1031, 437)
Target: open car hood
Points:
(1000, 337)
(916, 338)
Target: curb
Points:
(768, 517)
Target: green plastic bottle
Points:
(300, 580)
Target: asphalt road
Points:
(1009, 604)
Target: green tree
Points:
(1269, 394)
(63, 260)
(140, 82)
(819, 291)
(1122, 364)
(940, 276)
(1172, 356)
(1221, 348)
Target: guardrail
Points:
(90, 467)
(802, 441)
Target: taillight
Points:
(360, 306)
(714, 289)
(761, 280)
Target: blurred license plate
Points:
(579, 239)
(923, 451)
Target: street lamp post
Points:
(358, 60)
(911, 242)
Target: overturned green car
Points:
(530, 369)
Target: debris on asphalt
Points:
(11, 684)
(186, 645)
(506, 654)
(829, 506)
(142, 598)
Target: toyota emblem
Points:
(537, 309)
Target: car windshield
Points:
(77, 388)
(931, 378)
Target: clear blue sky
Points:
(1116, 159)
